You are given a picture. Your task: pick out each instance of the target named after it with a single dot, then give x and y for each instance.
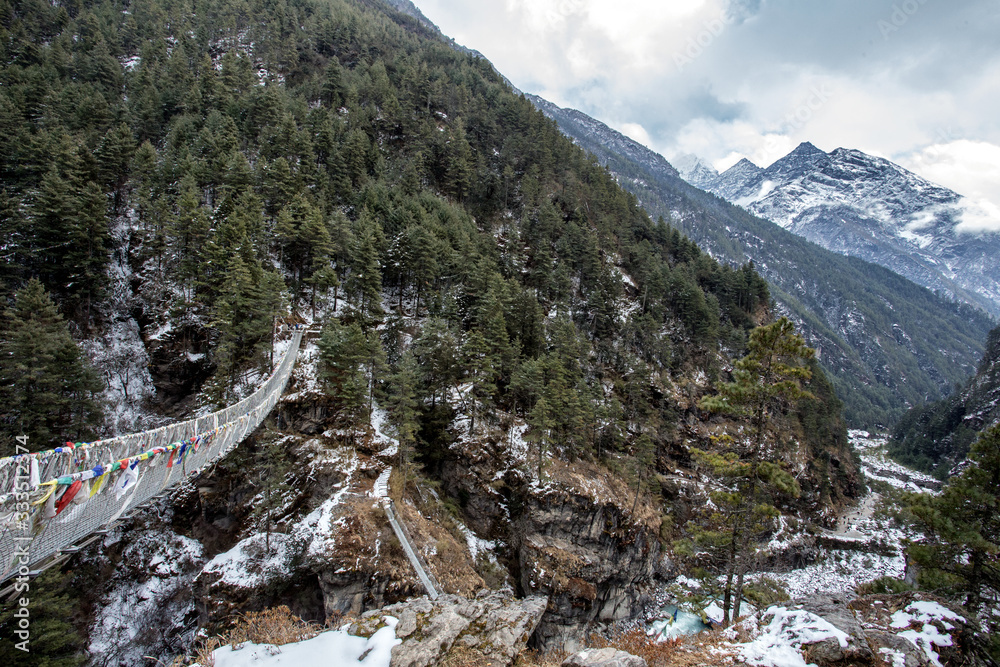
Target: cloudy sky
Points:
(915, 81)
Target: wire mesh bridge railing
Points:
(51, 500)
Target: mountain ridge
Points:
(848, 309)
(936, 437)
(869, 207)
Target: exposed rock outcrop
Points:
(494, 626)
(592, 559)
(576, 539)
(603, 657)
(831, 651)
(912, 629)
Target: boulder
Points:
(888, 645)
(495, 627)
(829, 652)
(603, 657)
(898, 616)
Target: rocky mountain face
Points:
(694, 170)
(868, 207)
(937, 436)
(611, 142)
(887, 342)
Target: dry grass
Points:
(463, 656)
(278, 626)
(451, 562)
(694, 651)
(531, 658)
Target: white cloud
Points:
(636, 132)
(980, 215)
(970, 168)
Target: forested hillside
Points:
(937, 436)
(888, 343)
(225, 169)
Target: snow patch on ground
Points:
(840, 572)
(250, 563)
(120, 354)
(318, 527)
(477, 545)
(878, 465)
(306, 372)
(334, 647)
(922, 613)
(379, 421)
(780, 642)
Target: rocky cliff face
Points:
(868, 207)
(491, 629)
(591, 557)
(575, 539)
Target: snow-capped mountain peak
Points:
(694, 170)
(734, 183)
(869, 207)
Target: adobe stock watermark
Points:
(22, 555)
(946, 135)
(901, 14)
(563, 9)
(696, 44)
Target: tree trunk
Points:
(727, 598)
(739, 589)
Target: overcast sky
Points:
(915, 81)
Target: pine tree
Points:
(961, 550)
(249, 301)
(54, 641)
(766, 380)
(12, 231)
(190, 231)
(482, 372)
(540, 432)
(47, 388)
(114, 156)
(343, 352)
(402, 405)
(71, 239)
(459, 168)
(437, 351)
(365, 281)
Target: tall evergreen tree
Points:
(47, 387)
(961, 550)
(765, 381)
(364, 283)
(249, 301)
(403, 406)
(71, 239)
(343, 352)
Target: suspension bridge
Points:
(55, 502)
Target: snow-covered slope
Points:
(694, 170)
(868, 207)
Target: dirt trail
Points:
(861, 512)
